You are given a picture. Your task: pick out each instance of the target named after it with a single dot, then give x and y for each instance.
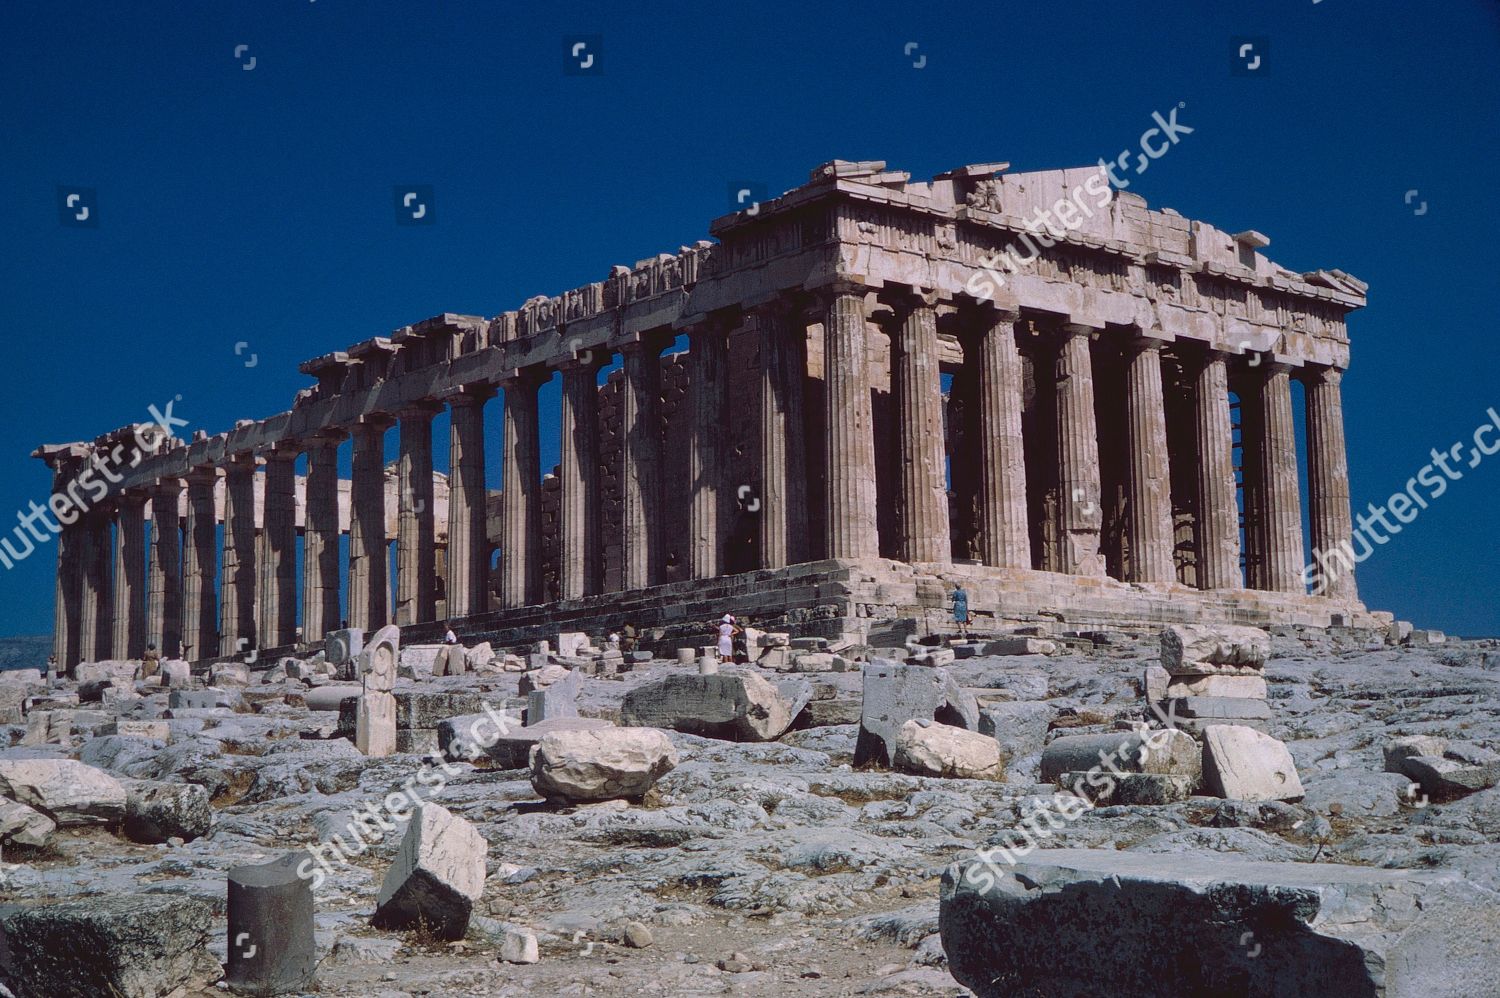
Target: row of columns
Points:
(256, 594)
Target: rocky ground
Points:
(769, 869)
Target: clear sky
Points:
(256, 205)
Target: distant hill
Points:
(25, 651)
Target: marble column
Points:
(67, 606)
(94, 631)
(916, 382)
(237, 567)
(320, 537)
(1078, 455)
(129, 603)
(849, 494)
(1280, 497)
(277, 558)
(1148, 523)
(200, 568)
(1217, 530)
(783, 454)
(468, 567)
(640, 464)
(416, 531)
(578, 519)
(708, 374)
(369, 585)
(164, 619)
(1328, 483)
(521, 500)
(1005, 540)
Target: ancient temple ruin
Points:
(1104, 436)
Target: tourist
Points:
(150, 662)
(449, 638)
(961, 609)
(727, 631)
(628, 638)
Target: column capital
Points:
(375, 422)
(206, 474)
(1140, 343)
(1075, 329)
(422, 409)
(165, 488)
(130, 499)
(236, 461)
(840, 288)
(523, 377)
(321, 439)
(1322, 374)
(652, 340)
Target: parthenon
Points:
(859, 419)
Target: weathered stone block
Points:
(1231, 687)
(1164, 751)
(343, 646)
(600, 764)
(1398, 750)
(739, 706)
(560, 699)
(1230, 709)
(24, 826)
(437, 875)
(65, 790)
(126, 945)
(1207, 924)
(1105, 788)
(1018, 645)
(1184, 645)
(156, 811)
(1241, 763)
(928, 748)
(481, 736)
(424, 710)
(375, 724)
(896, 693)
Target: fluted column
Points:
(67, 606)
(467, 543)
(521, 506)
(1280, 496)
(1217, 528)
(578, 521)
(95, 632)
(320, 537)
(164, 618)
(1148, 522)
(129, 603)
(369, 585)
(1328, 482)
(1005, 540)
(849, 495)
(1078, 455)
(783, 454)
(708, 374)
(916, 382)
(416, 531)
(200, 568)
(237, 567)
(277, 558)
(640, 464)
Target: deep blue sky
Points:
(257, 205)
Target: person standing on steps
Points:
(961, 609)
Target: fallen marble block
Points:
(1240, 763)
(1145, 925)
(1227, 687)
(1105, 788)
(424, 710)
(896, 693)
(1398, 750)
(119, 945)
(67, 791)
(927, 748)
(272, 949)
(600, 764)
(157, 811)
(1018, 645)
(24, 826)
(1187, 646)
(1163, 751)
(481, 736)
(436, 877)
(205, 699)
(560, 699)
(734, 706)
(1460, 770)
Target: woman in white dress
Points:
(726, 638)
